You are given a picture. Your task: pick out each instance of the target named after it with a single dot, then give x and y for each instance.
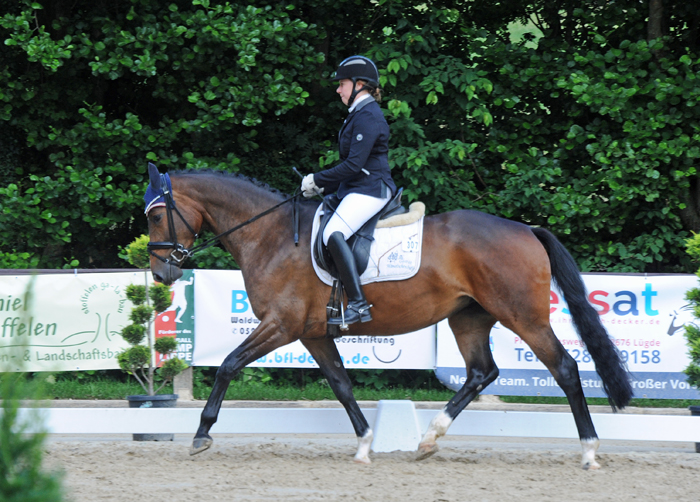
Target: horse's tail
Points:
(606, 357)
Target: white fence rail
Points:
(335, 421)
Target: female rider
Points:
(362, 179)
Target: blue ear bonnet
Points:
(155, 196)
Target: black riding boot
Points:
(358, 309)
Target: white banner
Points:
(643, 314)
(224, 319)
(63, 322)
(67, 322)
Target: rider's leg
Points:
(358, 308)
(352, 212)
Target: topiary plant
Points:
(692, 332)
(139, 359)
(136, 252)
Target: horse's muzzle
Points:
(167, 274)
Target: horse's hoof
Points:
(362, 460)
(426, 450)
(590, 466)
(200, 444)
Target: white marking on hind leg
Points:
(437, 428)
(363, 445)
(590, 446)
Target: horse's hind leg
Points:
(564, 369)
(326, 354)
(471, 327)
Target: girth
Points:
(361, 241)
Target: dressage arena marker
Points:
(395, 421)
(396, 426)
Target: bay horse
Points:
(476, 270)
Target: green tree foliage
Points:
(590, 130)
(692, 331)
(22, 478)
(96, 88)
(578, 116)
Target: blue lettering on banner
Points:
(286, 358)
(238, 301)
(649, 385)
(650, 357)
(305, 357)
(648, 294)
(626, 305)
(356, 359)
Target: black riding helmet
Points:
(357, 68)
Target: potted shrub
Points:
(139, 360)
(692, 331)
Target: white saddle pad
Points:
(395, 253)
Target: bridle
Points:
(179, 252)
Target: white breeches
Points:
(353, 212)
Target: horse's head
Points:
(172, 228)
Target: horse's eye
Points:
(156, 218)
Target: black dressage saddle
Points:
(361, 241)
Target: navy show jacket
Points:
(363, 143)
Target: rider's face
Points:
(345, 89)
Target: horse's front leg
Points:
(266, 338)
(326, 354)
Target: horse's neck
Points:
(233, 202)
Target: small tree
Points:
(136, 253)
(692, 332)
(22, 478)
(139, 359)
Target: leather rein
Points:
(179, 252)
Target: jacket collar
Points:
(358, 103)
(367, 99)
(359, 107)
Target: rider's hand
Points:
(309, 187)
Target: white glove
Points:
(308, 186)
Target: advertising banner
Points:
(68, 322)
(224, 319)
(643, 314)
(71, 322)
(178, 320)
(63, 322)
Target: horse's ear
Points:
(153, 175)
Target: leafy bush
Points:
(588, 126)
(186, 83)
(213, 258)
(136, 253)
(22, 478)
(692, 331)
